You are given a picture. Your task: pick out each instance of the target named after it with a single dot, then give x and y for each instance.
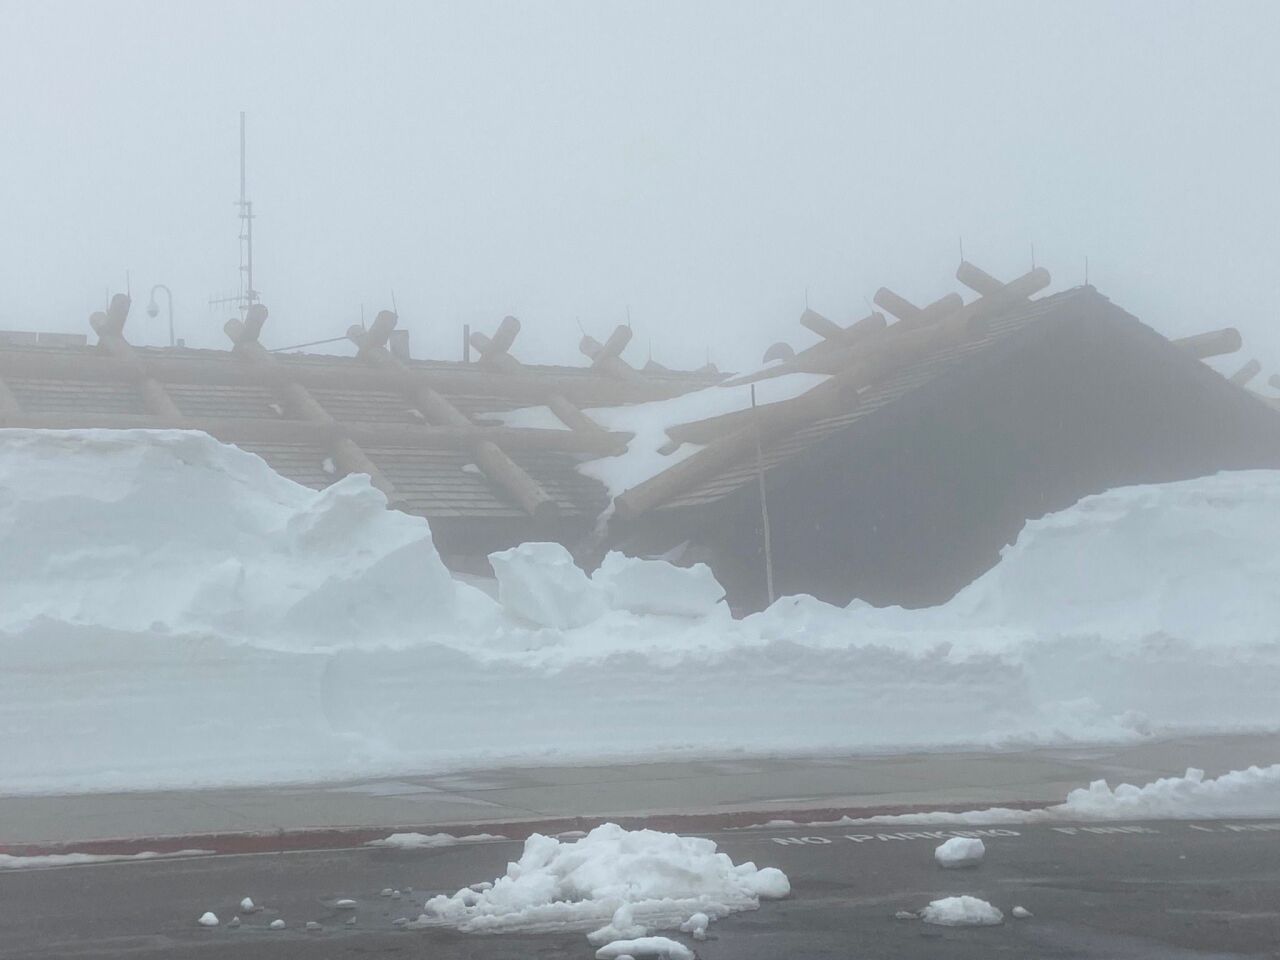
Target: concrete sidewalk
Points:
(694, 792)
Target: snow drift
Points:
(174, 613)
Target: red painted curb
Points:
(337, 838)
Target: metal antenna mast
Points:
(248, 295)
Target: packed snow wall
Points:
(174, 613)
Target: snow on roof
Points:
(649, 423)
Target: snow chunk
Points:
(657, 947)
(961, 912)
(657, 587)
(621, 927)
(344, 904)
(247, 905)
(540, 583)
(960, 852)
(208, 919)
(427, 841)
(234, 922)
(663, 878)
(275, 925)
(696, 926)
(1022, 913)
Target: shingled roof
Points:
(419, 428)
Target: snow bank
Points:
(174, 614)
(171, 531)
(1253, 792)
(428, 841)
(12, 862)
(649, 423)
(629, 881)
(962, 912)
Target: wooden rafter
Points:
(495, 352)
(346, 453)
(493, 462)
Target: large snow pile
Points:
(174, 613)
(171, 531)
(619, 884)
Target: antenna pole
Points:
(249, 296)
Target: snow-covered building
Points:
(896, 458)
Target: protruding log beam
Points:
(1246, 373)
(606, 357)
(1213, 343)
(731, 437)
(495, 352)
(977, 279)
(297, 399)
(913, 316)
(504, 472)
(110, 329)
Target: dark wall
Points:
(915, 501)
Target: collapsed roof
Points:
(495, 452)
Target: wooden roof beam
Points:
(501, 470)
(496, 353)
(109, 327)
(1213, 343)
(1246, 373)
(346, 453)
(607, 357)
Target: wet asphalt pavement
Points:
(1116, 891)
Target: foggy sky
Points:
(701, 164)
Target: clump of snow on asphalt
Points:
(696, 926)
(15, 862)
(319, 634)
(1021, 913)
(662, 880)
(208, 919)
(961, 911)
(660, 948)
(427, 841)
(276, 925)
(248, 906)
(960, 852)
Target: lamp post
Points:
(153, 308)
